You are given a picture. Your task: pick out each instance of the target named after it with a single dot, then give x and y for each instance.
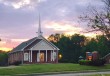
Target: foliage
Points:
(17, 63)
(100, 44)
(98, 62)
(72, 47)
(84, 62)
(54, 38)
(3, 59)
(99, 20)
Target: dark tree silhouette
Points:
(99, 20)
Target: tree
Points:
(54, 37)
(91, 45)
(102, 44)
(3, 59)
(99, 20)
(70, 46)
(77, 45)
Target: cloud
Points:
(19, 18)
(2, 43)
(18, 40)
(63, 27)
(17, 4)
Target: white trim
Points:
(26, 56)
(53, 48)
(50, 43)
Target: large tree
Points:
(70, 46)
(99, 20)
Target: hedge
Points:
(98, 62)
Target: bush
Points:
(17, 63)
(84, 62)
(3, 59)
(98, 62)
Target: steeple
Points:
(39, 28)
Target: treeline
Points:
(72, 47)
(3, 58)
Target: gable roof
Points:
(41, 37)
(25, 44)
(30, 43)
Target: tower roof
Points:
(39, 27)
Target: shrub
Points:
(17, 63)
(98, 62)
(84, 62)
(3, 59)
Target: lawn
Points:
(42, 68)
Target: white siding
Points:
(42, 46)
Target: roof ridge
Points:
(30, 43)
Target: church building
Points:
(35, 50)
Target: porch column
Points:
(57, 56)
(31, 55)
(38, 57)
(22, 56)
(53, 55)
(46, 55)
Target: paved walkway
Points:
(9, 67)
(79, 74)
(66, 74)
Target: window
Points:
(54, 53)
(26, 56)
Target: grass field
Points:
(42, 68)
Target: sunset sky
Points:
(19, 19)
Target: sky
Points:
(19, 19)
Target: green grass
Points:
(41, 68)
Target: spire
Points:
(39, 27)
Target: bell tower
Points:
(39, 28)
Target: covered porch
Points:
(40, 56)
